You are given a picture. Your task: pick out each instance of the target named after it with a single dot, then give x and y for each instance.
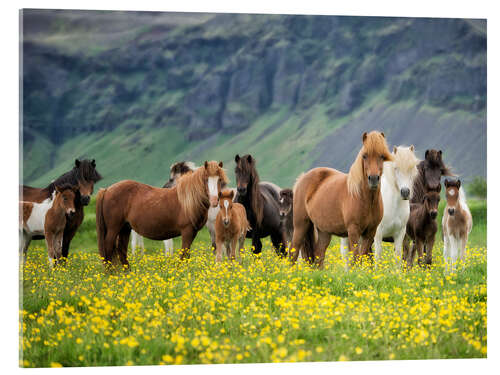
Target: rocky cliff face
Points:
(220, 74)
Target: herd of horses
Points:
(385, 196)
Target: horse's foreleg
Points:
(419, 250)
(241, 246)
(188, 235)
(232, 250)
(367, 242)
(133, 241)
(353, 234)
(344, 251)
(278, 240)
(169, 247)
(70, 230)
(378, 245)
(256, 243)
(320, 249)
(398, 245)
(429, 245)
(25, 243)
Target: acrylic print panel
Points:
(150, 96)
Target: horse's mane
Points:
(373, 143)
(84, 172)
(256, 203)
(432, 160)
(404, 159)
(192, 190)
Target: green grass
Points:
(166, 311)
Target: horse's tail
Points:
(100, 223)
(309, 241)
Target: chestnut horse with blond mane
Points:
(156, 213)
(327, 201)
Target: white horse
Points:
(396, 185)
(457, 224)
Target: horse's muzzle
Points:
(405, 193)
(242, 191)
(226, 222)
(451, 211)
(433, 214)
(85, 200)
(373, 181)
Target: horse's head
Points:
(452, 191)
(65, 198)
(405, 169)
(216, 180)
(245, 173)
(286, 203)
(434, 168)
(177, 170)
(87, 176)
(226, 205)
(431, 202)
(373, 154)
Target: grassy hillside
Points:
(139, 90)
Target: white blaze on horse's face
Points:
(226, 218)
(213, 190)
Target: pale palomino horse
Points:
(457, 224)
(396, 184)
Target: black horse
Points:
(261, 201)
(83, 175)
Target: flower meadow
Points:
(166, 311)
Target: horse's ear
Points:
(458, 184)
(206, 164)
(77, 163)
(382, 134)
(231, 194)
(395, 149)
(412, 148)
(93, 162)
(364, 137)
(440, 152)
(237, 158)
(249, 158)
(221, 164)
(446, 182)
(426, 153)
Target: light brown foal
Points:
(231, 226)
(55, 220)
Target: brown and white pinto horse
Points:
(156, 213)
(83, 176)
(332, 202)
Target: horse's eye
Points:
(365, 156)
(382, 157)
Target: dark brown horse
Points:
(156, 213)
(429, 175)
(346, 205)
(261, 202)
(83, 176)
(421, 228)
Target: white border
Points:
(9, 151)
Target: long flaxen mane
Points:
(373, 143)
(192, 189)
(406, 161)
